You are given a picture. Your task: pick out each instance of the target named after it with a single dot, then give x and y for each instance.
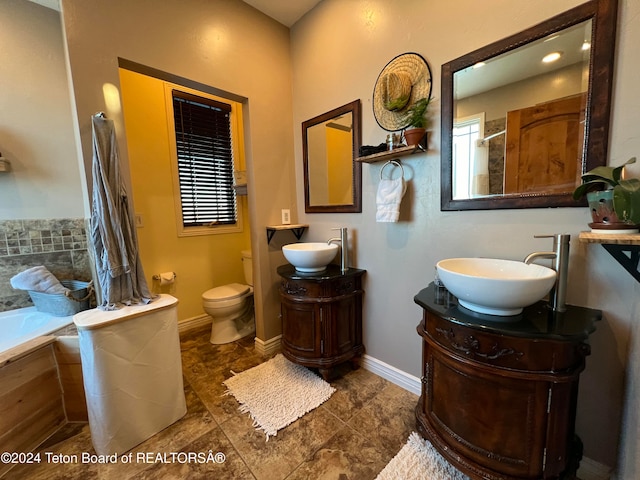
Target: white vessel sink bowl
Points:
(493, 286)
(310, 257)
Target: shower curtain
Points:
(118, 267)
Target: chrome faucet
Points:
(560, 256)
(344, 248)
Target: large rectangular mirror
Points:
(330, 143)
(525, 117)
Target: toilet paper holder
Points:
(160, 276)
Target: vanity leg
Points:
(326, 373)
(355, 363)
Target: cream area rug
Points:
(418, 460)
(278, 392)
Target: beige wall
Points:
(357, 39)
(200, 262)
(224, 44)
(36, 129)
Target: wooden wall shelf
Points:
(625, 248)
(396, 152)
(297, 230)
(391, 154)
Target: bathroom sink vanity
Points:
(321, 317)
(499, 397)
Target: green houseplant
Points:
(416, 120)
(610, 196)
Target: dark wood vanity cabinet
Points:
(499, 397)
(321, 317)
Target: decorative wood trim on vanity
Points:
(292, 288)
(470, 346)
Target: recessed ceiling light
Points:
(552, 57)
(479, 65)
(551, 38)
(586, 45)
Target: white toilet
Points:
(231, 307)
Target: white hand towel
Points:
(388, 198)
(37, 279)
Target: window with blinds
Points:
(205, 160)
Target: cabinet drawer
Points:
(301, 288)
(342, 286)
(519, 353)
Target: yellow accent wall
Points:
(200, 262)
(339, 166)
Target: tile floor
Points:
(351, 436)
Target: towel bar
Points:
(392, 162)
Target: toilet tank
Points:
(248, 266)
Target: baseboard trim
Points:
(193, 322)
(592, 470)
(268, 347)
(394, 375)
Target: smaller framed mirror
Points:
(332, 177)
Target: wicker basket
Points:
(61, 304)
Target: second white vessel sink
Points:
(494, 286)
(310, 257)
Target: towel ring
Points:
(392, 162)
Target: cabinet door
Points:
(496, 421)
(301, 331)
(339, 322)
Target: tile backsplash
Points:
(58, 244)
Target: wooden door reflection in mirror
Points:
(544, 147)
(330, 143)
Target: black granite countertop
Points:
(332, 271)
(536, 320)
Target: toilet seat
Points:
(225, 292)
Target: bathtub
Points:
(28, 363)
(24, 324)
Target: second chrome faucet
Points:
(344, 248)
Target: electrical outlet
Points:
(286, 216)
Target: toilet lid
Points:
(225, 292)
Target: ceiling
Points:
(287, 12)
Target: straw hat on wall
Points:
(402, 82)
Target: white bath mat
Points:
(277, 393)
(418, 460)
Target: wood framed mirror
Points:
(519, 133)
(332, 177)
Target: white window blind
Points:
(205, 160)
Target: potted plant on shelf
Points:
(613, 200)
(417, 122)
